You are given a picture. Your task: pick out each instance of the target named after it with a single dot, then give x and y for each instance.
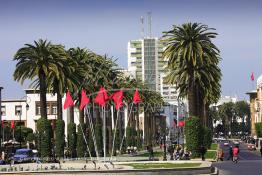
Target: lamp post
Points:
(1, 119)
(20, 129)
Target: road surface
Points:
(250, 162)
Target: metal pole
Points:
(1, 119)
(104, 132)
(20, 113)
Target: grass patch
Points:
(156, 154)
(162, 165)
(210, 154)
(214, 146)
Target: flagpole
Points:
(115, 128)
(128, 117)
(104, 131)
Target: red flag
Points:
(101, 97)
(181, 123)
(118, 99)
(252, 76)
(84, 99)
(136, 98)
(12, 124)
(68, 101)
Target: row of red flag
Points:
(12, 126)
(101, 99)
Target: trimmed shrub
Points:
(44, 137)
(30, 137)
(71, 139)
(258, 127)
(81, 144)
(194, 136)
(129, 141)
(60, 138)
(24, 132)
(207, 139)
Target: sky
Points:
(106, 26)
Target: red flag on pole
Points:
(101, 97)
(68, 101)
(84, 100)
(252, 76)
(181, 123)
(118, 99)
(12, 124)
(136, 98)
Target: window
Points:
(3, 110)
(54, 110)
(18, 110)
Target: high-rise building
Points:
(145, 62)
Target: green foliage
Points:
(44, 137)
(91, 142)
(207, 139)
(258, 127)
(30, 137)
(117, 140)
(214, 146)
(24, 132)
(194, 136)
(129, 136)
(81, 145)
(99, 138)
(60, 138)
(71, 138)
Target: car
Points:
(226, 143)
(236, 143)
(22, 156)
(251, 147)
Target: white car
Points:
(226, 143)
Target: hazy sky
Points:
(105, 26)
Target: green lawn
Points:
(214, 146)
(162, 165)
(156, 154)
(210, 154)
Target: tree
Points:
(193, 65)
(243, 112)
(34, 63)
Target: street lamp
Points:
(20, 130)
(1, 119)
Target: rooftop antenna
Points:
(149, 23)
(142, 26)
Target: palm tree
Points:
(34, 63)
(189, 50)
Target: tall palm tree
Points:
(189, 49)
(34, 63)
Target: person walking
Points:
(235, 154)
(203, 151)
(230, 153)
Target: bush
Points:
(71, 139)
(117, 140)
(44, 137)
(30, 137)
(24, 132)
(194, 136)
(207, 139)
(81, 145)
(91, 143)
(60, 138)
(129, 141)
(258, 127)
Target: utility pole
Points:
(1, 119)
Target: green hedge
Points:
(71, 139)
(81, 144)
(258, 127)
(194, 136)
(207, 139)
(60, 138)
(44, 137)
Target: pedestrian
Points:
(202, 151)
(261, 150)
(230, 153)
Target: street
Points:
(249, 162)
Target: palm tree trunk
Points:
(59, 106)
(43, 106)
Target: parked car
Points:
(22, 156)
(251, 147)
(226, 143)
